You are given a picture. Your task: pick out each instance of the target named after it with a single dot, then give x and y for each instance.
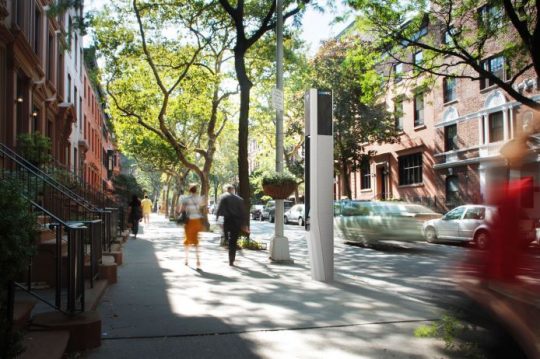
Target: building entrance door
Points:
(382, 175)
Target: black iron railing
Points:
(57, 185)
(68, 294)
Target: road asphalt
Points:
(161, 308)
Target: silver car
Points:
(295, 214)
(368, 222)
(464, 223)
(471, 223)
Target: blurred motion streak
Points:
(504, 278)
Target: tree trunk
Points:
(243, 129)
(345, 178)
(166, 204)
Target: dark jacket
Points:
(231, 208)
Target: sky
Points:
(316, 26)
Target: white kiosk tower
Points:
(319, 176)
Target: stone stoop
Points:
(116, 254)
(92, 296)
(84, 329)
(22, 312)
(108, 269)
(125, 235)
(43, 262)
(45, 345)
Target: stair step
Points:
(22, 311)
(45, 344)
(45, 234)
(92, 296)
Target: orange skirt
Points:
(192, 229)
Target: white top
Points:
(192, 205)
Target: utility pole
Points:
(279, 249)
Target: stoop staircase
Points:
(54, 301)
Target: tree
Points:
(251, 21)
(456, 38)
(358, 119)
(154, 77)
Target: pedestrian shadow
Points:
(255, 274)
(214, 277)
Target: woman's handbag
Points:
(182, 218)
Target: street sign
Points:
(277, 99)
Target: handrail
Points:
(44, 177)
(75, 274)
(40, 173)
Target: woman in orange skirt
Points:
(192, 204)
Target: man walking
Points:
(231, 208)
(146, 205)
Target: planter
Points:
(282, 191)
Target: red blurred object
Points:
(504, 255)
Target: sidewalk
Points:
(163, 309)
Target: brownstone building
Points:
(41, 88)
(452, 133)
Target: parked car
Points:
(269, 210)
(256, 211)
(295, 214)
(368, 222)
(471, 223)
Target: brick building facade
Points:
(448, 152)
(43, 83)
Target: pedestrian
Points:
(134, 214)
(146, 205)
(192, 205)
(231, 208)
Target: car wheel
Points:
(300, 221)
(431, 235)
(482, 239)
(285, 220)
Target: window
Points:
(75, 160)
(498, 67)
(80, 113)
(452, 189)
(450, 138)
(418, 58)
(50, 57)
(69, 89)
(398, 72)
(76, 48)
(447, 36)
(496, 127)
(449, 89)
(454, 214)
(419, 109)
(20, 13)
(69, 32)
(410, 169)
(365, 170)
(420, 33)
(490, 17)
(477, 213)
(59, 72)
(398, 113)
(37, 31)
